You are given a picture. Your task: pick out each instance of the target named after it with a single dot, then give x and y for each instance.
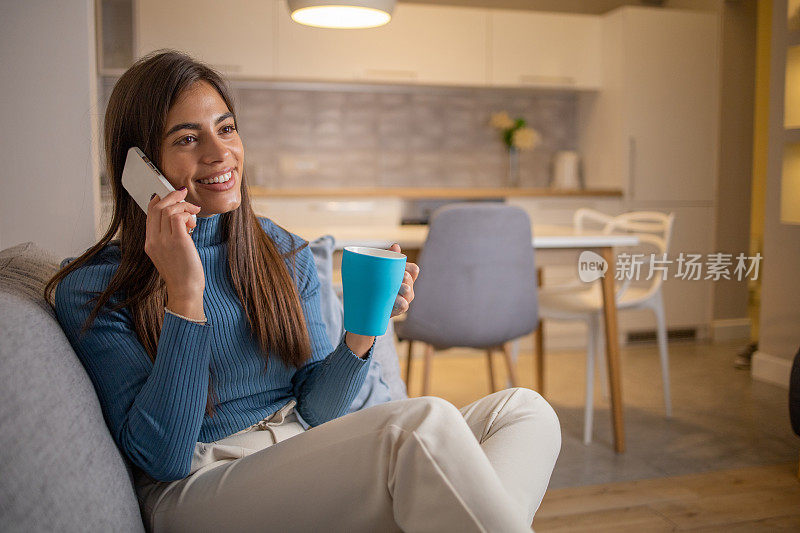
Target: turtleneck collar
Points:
(208, 231)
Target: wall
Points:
(736, 149)
(780, 286)
(337, 135)
(760, 151)
(737, 100)
(50, 192)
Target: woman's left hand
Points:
(406, 293)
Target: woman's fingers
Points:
(170, 199)
(153, 219)
(400, 306)
(413, 270)
(408, 284)
(169, 246)
(173, 205)
(180, 222)
(406, 293)
(403, 299)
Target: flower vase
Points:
(513, 167)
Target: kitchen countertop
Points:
(266, 192)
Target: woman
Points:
(207, 349)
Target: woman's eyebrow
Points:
(195, 125)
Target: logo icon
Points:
(591, 266)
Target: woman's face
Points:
(201, 142)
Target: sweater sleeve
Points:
(153, 409)
(331, 379)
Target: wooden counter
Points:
(265, 192)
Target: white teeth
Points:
(219, 179)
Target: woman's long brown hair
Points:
(136, 116)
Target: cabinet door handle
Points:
(632, 166)
(541, 79)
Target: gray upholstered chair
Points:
(477, 284)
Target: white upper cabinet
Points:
(671, 103)
(421, 44)
(545, 50)
(234, 36)
(425, 44)
(654, 128)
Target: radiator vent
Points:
(649, 336)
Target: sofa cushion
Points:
(383, 382)
(24, 270)
(60, 468)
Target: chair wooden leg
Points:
(512, 373)
(538, 356)
(426, 372)
(491, 370)
(408, 366)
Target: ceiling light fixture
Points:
(341, 13)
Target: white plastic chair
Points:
(583, 301)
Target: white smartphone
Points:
(141, 179)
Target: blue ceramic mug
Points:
(371, 278)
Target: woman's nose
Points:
(215, 150)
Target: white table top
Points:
(413, 236)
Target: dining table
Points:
(550, 240)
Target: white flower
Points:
(501, 120)
(525, 138)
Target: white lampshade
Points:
(341, 13)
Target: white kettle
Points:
(566, 170)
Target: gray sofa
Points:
(60, 469)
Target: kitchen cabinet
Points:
(688, 303)
(235, 36)
(559, 211)
(545, 49)
(422, 44)
(672, 87)
(653, 130)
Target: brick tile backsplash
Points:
(398, 137)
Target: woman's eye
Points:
(186, 140)
(228, 129)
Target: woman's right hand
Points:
(173, 252)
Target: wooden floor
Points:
(754, 499)
(739, 498)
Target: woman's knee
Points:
(527, 396)
(438, 411)
(532, 398)
(437, 405)
(530, 402)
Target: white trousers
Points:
(418, 464)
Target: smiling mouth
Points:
(222, 178)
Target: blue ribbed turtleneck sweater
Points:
(156, 411)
